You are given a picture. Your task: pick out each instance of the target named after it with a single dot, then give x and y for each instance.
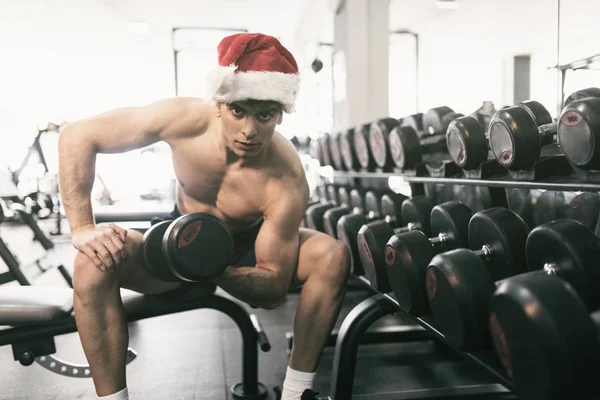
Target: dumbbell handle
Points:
(261, 338)
(485, 253)
(439, 239)
(547, 132)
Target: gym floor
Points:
(197, 354)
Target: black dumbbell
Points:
(414, 121)
(335, 151)
(467, 142)
(347, 202)
(585, 209)
(372, 237)
(407, 149)
(377, 206)
(579, 131)
(408, 254)
(518, 133)
(379, 133)
(549, 206)
(315, 151)
(313, 216)
(360, 201)
(325, 149)
(362, 148)
(347, 151)
(437, 119)
(539, 320)
(194, 247)
(461, 282)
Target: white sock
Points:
(122, 395)
(296, 383)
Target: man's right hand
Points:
(104, 245)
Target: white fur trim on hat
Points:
(226, 85)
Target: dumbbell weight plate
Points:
(414, 121)
(155, 263)
(198, 247)
(544, 338)
(578, 133)
(361, 147)
(549, 206)
(538, 112)
(433, 120)
(336, 154)
(379, 133)
(575, 251)
(347, 232)
(505, 233)
(585, 209)
(417, 210)
(582, 94)
(331, 218)
(314, 215)
(405, 147)
(346, 149)
(408, 254)
(467, 143)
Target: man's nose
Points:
(249, 129)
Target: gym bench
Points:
(34, 315)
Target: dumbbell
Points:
(325, 149)
(361, 147)
(539, 320)
(414, 121)
(352, 202)
(194, 247)
(376, 207)
(335, 151)
(579, 131)
(437, 119)
(372, 237)
(461, 282)
(347, 151)
(407, 149)
(408, 254)
(518, 133)
(379, 133)
(549, 206)
(467, 142)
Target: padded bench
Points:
(34, 315)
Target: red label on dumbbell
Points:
(501, 344)
(364, 244)
(390, 255)
(431, 282)
(361, 149)
(571, 118)
(396, 148)
(189, 234)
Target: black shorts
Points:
(243, 242)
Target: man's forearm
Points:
(76, 173)
(253, 285)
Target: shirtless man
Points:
(229, 162)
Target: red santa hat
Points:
(253, 66)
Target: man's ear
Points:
(218, 109)
(280, 119)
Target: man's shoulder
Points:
(185, 116)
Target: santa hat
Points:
(253, 66)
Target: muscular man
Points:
(229, 162)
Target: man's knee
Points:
(89, 283)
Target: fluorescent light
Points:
(447, 4)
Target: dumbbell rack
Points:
(485, 359)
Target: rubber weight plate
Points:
(336, 154)
(433, 120)
(198, 247)
(549, 206)
(405, 147)
(579, 133)
(505, 233)
(155, 262)
(585, 209)
(544, 338)
(583, 94)
(347, 232)
(467, 143)
(379, 133)
(361, 147)
(417, 210)
(347, 150)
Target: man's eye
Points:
(264, 116)
(237, 111)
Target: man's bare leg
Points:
(323, 268)
(100, 316)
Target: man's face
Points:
(247, 126)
